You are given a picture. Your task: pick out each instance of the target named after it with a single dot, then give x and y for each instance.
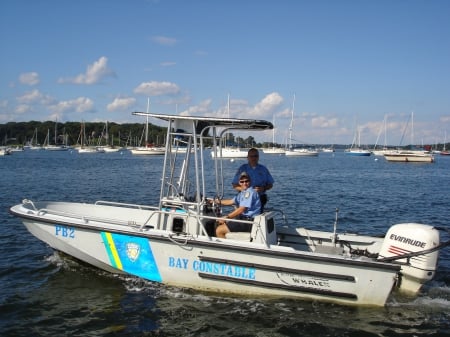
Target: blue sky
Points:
(349, 63)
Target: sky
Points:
(350, 64)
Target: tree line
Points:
(68, 133)
(21, 133)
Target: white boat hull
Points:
(274, 151)
(302, 152)
(149, 151)
(230, 153)
(133, 241)
(409, 157)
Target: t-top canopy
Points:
(204, 122)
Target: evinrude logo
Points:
(133, 251)
(408, 241)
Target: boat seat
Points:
(263, 231)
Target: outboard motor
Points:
(409, 240)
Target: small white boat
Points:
(87, 149)
(148, 150)
(172, 242)
(274, 150)
(302, 152)
(292, 151)
(4, 151)
(409, 156)
(357, 152)
(355, 149)
(229, 152)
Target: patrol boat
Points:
(173, 242)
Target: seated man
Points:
(247, 204)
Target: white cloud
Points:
(22, 108)
(157, 88)
(121, 104)
(201, 109)
(31, 78)
(164, 40)
(167, 64)
(29, 97)
(324, 122)
(267, 106)
(35, 96)
(80, 104)
(94, 73)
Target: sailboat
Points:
(381, 152)
(297, 152)
(148, 149)
(273, 149)
(445, 152)
(54, 147)
(84, 148)
(108, 148)
(412, 155)
(223, 150)
(33, 144)
(355, 149)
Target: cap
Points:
(244, 174)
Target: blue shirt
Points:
(259, 175)
(249, 199)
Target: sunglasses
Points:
(254, 156)
(244, 181)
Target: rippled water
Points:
(44, 293)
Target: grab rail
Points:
(112, 203)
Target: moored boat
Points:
(303, 152)
(172, 242)
(406, 156)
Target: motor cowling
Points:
(407, 238)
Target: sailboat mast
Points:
(291, 125)
(228, 115)
(146, 124)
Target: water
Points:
(46, 294)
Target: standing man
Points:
(260, 177)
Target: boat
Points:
(173, 241)
(302, 152)
(291, 151)
(228, 152)
(409, 156)
(106, 148)
(444, 151)
(273, 149)
(4, 151)
(224, 150)
(383, 150)
(147, 148)
(328, 149)
(82, 140)
(54, 147)
(355, 149)
(33, 143)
